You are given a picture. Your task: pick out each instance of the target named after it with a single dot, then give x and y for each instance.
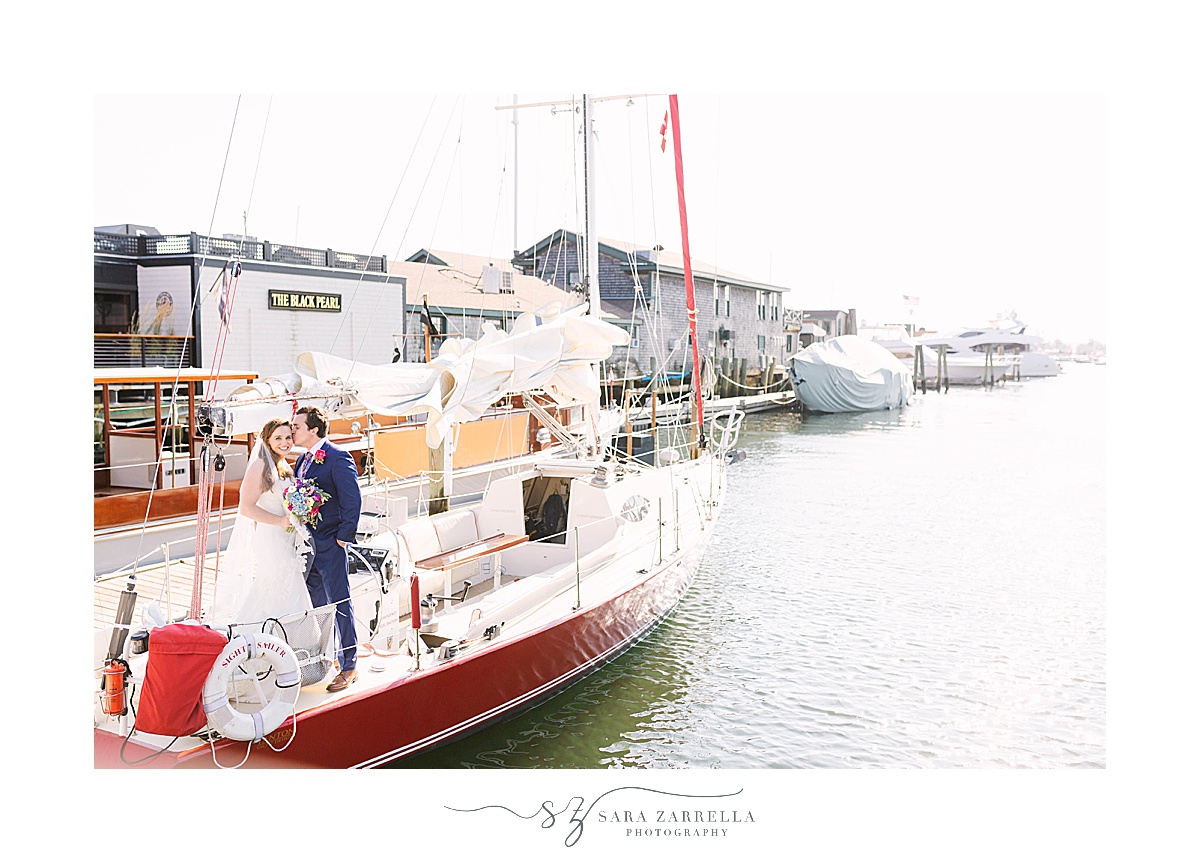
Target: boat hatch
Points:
(546, 502)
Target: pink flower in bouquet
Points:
(303, 500)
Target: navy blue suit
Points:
(328, 576)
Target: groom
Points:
(328, 578)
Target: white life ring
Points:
(285, 690)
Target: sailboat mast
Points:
(592, 253)
(516, 163)
(698, 411)
(592, 247)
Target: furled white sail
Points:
(549, 350)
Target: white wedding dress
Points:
(260, 575)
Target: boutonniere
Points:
(319, 456)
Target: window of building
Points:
(728, 305)
(762, 343)
(762, 305)
(790, 343)
(114, 311)
(716, 299)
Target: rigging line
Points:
(639, 287)
(499, 196)
(437, 217)
(223, 330)
(192, 312)
(717, 196)
(650, 176)
(421, 194)
(254, 179)
(558, 252)
(579, 235)
(445, 190)
(632, 199)
(375, 244)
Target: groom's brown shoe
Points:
(343, 680)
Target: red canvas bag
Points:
(181, 656)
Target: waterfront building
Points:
(805, 326)
(643, 289)
(159, 301)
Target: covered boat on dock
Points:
(849, 373)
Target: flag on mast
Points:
(427, 319)
(911, 301)
(224, 297)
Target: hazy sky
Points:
(974, 204)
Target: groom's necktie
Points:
(304, 463)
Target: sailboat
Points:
(146, 515)
(476, 613)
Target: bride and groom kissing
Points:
(283, 559)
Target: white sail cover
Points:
(549, 350)
(849, 373)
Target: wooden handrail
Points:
(119, 510)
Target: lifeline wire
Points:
(195, 303)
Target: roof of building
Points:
(646, 257)
(455, 280)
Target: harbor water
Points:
(913, 588)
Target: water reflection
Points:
(919, 588)
(601, 721)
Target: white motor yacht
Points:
(1012, 350)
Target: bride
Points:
(260, 575)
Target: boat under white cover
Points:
(849, 373)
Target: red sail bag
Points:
(181, 656)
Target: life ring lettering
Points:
(282, 692)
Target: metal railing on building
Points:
(219, 248)
(123, 350)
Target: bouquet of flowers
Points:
(302, 499)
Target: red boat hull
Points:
(451, 700)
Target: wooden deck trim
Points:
(470, 552)
(129, 509)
